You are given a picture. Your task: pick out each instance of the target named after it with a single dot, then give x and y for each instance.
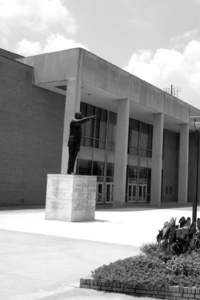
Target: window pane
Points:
(132, 172)
(98, 168)
(143, 139)
(97, 127)
(110, 169)
(133, 136)
(102, 129)
(84, 167)
(112, 119)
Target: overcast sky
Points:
(157, 40)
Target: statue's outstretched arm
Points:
(83, 120)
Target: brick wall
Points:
(31, 127)
(171, 292)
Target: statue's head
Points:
(78, 115)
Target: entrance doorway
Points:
(104, 192)
(137, 192)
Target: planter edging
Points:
(172, 292)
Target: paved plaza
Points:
(43, 259)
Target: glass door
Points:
(132, 192)
(99, 192)
(142, 192)
(109, 192)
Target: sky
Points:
(156, 40)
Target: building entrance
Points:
(137, 192)
(104, 172)
(104, 192)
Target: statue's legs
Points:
(73, 151)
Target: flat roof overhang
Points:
(103, 84)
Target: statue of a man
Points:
(74, 141)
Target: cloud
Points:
(58, 42)
(196, 1)
(54, 42)
(164, 67)
(182, 40)
(138, 22)
(28, 48)
(35, 14)
(34, 17)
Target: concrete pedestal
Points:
(70, 197)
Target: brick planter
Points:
(171, 293)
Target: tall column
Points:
(72, 105)
(198, 179)
(183, 164)
(156, 170)
(121, 146)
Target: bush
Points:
(156, 250)
(154, 268)
(135, 270)
(174, 260)
(150, 270)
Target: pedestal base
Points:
(70, 197)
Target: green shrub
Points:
(154, 268)
(174, 260)
(139, 270)
(156, 250)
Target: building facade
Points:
(141, 145)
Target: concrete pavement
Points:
(130, 226)
(40, 260)
(38, 266)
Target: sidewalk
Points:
(36, 266)
(130, 226)
(45, 259)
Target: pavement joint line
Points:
(43, 293)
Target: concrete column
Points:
(198, 189)
(156, 170)
(183, 164)
(121, 146)
(72, 105)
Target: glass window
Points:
(133, 137)
(132, 172)
(84, 167)
(150, 137)
(88, 127)
(97, 127)
(98, 131)
(140, 191)
(110, 170)
(111, 130)
(98, 168)
(143, 173)
(140, 138)
(130, 190)
(143, 144)
(134, 190)
(102, 129)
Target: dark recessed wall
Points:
(192, 168)
(170, 166)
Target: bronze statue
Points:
(74, 141)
